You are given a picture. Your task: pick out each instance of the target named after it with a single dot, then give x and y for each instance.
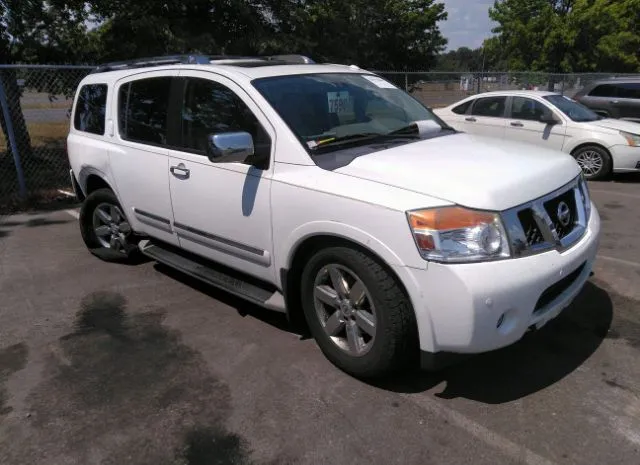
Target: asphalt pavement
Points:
(137, 364)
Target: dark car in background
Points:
(613, 98)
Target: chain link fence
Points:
(439, 89)
(36, 103)
(35, 109)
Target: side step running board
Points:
(228, 281)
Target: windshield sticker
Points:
(379, 82)
(340, 102)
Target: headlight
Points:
(586, 197)
(457, 234)
(632, 139)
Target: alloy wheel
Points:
(111, 227)
(345, 309)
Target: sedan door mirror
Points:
(548, 118)
(229, 147)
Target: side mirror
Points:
(229, 147)
(548, 118)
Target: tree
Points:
(32, 31)
(567, 35)
(377, 34)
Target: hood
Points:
(617, 125)
(469, 170)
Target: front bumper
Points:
(473, 308)
(625, 158)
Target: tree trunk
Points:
(23, 140)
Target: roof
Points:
(531, 93)
(246, 67)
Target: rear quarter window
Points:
(91, 109)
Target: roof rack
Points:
(199, 59)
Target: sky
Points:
(468, 23)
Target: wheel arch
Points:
(291, 273)
(594, 144)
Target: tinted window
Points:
(210, 107)
(489, 106)
(91, 108)
(462, 108)
(629, 90)
(604, 90)
(527, 109)
(142, 110)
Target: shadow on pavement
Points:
(534, 363)
(244, 308)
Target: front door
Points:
(524, 124)
(138, 156)
(222, 211)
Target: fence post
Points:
(406, 82)
(11, 136)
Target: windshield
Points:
(331, 111)
(574, 110)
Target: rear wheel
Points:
(358, 313)
(105, 229)
(594, 161)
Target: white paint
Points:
(74, 213)
(621, 194)
(620, 261)
(509, 448)
(67, 193)
(379, 82)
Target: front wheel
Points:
(104, 227)
(358, 314)
(594, 161)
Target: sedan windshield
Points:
(331, 111)
(574, 110)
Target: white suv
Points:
(325, 192)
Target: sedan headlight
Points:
(456, 234)
(632, 139)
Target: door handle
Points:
(470, 118)
(180, 171)
(615, 102)
(517, 124)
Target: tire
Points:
(124, 249)
(594, 161)
(380, 300)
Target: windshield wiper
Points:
(354, 138)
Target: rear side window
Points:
(490, 106)
(603, 90)
(462, 108)
(142, 110)
(91, 108)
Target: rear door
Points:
(138, 156)
(487, 116)
(523, 123)
(628, 101)
(603, 100)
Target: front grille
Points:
(564, 225)
(553, 291)
(532, 232)
(555, 221)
